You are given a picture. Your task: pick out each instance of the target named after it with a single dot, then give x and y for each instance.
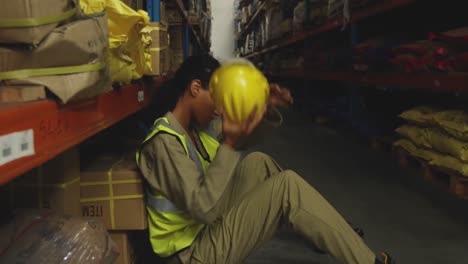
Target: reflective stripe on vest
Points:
(170, 228)
(160, 203)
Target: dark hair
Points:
(199, 67)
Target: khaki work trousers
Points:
(260, 198)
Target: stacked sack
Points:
(457, 40)
(327, 56)
(129, 39)
(439, 137)
(444, 51)
(373, 55)
(50, 44)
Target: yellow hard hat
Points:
(237, 87)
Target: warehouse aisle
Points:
(398, 212)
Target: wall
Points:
(222, 34)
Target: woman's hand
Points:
(280, 97)
(235, 134)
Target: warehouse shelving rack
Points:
(433, 81)
(47, 127)
(56, 127)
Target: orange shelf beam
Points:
(59, 127)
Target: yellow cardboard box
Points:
(125, 250)
(159, 49)
(111, 191)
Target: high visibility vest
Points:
(171, 229)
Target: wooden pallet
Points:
(447, 179)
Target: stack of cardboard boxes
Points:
(108, 190)
(50, 44)
(112, 193)
(53, 185)
(176, 36)
(160, 44)
(134, 4)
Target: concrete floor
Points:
(400, 214)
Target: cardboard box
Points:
(54, 185)
(177, 58)
(77, 43)
(91, 77)
(33, 9)
(125, 249)
(130, 3)
(12, 94)
(69, 87)
(174, 17)
(286, 27)
(163, 14)
(176, 37)
(111, 191)
(159, 49)
(134, 4)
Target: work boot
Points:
(384, 258)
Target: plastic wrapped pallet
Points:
(434, 158)
(432, 138)
(40, 237)
(71, 61)
(30, 21)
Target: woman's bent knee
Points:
(256, 157)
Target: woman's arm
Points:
(168, 169)
(279, 97)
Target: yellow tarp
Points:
(434, 158)
(433, 138)
(129, 39)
